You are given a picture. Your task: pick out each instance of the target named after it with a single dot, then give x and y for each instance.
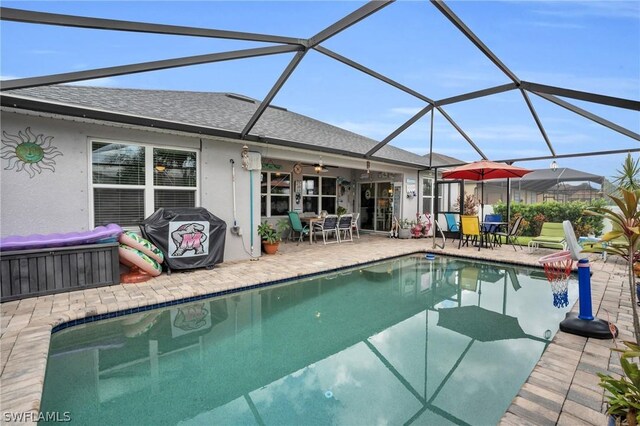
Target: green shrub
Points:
(536, 214)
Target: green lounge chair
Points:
(551, 235)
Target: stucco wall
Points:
(59, 201)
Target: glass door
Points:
(376, 206)
(384, 203)
(367, 206)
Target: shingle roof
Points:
(222, 111)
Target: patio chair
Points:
(344, 227)
(329, 225)
(451, 222)
(491, 230)
(296, 226)
(511, 237)
(355, 226)
(470, 230)
(551, 234)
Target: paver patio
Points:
(562, 388)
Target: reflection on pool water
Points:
(404, 341)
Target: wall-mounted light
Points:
(368, 166)
(553, 166)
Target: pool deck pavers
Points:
(562, 389)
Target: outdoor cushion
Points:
(551, 233)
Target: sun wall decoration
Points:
(28, 152)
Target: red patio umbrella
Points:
(485, 170)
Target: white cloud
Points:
(591, 9)
(8, 77)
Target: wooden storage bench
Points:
(28, 273)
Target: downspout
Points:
(251, 207)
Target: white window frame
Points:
(430, 198)
(148, 187)
(268, 194)
(320, 194)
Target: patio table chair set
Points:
(340, 227)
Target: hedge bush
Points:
(536, 214)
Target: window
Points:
(319, 193)
(131, 181)
(427, 195)
(275, 193)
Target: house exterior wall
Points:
(59, 201)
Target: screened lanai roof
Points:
(544, 179)
(430, 91)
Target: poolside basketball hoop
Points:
(557, 267)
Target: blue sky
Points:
(590, 46)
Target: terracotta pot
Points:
(270, 248)
(636, 268)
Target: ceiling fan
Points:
(318, 167)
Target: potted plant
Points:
(405, 229)
(626, 224)
(270, 237)
(341, 210)
(283, 227)
(623, 395)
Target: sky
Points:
(592, 46)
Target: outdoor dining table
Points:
(492, 227)
(310, 220)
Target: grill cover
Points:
(189, 237)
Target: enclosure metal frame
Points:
(301, 46)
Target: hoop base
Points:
(596, 328)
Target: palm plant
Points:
(623, 395)
(626, 224)
(628, 176)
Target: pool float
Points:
(142, 266)
(135, 241)
(100, 234)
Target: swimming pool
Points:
(402, 341)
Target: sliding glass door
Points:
(376, 206)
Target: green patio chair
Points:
(296, 226)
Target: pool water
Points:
(406, 341)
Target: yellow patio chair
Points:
(470, 229)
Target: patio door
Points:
(376, 206)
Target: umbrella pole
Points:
(508, 202)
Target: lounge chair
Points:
(296, 226)
(551, 235)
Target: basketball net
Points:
(557, 267)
